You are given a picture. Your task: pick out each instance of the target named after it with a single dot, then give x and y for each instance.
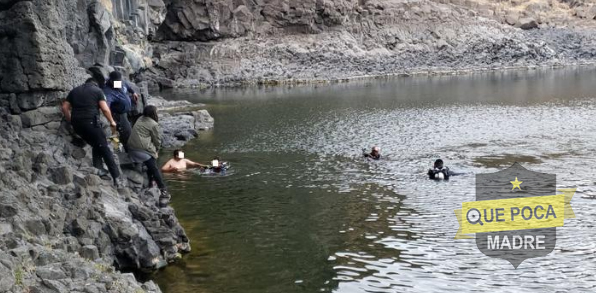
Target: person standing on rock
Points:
(144, 144)
(81, 108)
(117, 96)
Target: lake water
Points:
(301, 211)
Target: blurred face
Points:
(117, 84)
(180, 156)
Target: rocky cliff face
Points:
(213, 42)
(207, 43)
(207, 20)
(62, 228)
(46, 45)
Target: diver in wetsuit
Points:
(375, 154)
(438, 171)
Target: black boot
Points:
(164, 198)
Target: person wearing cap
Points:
(121, 103)
(375, 153)
(81, 109)
(179, 163)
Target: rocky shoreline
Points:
(406, 73)
(63, 228)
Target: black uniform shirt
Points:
(85, 101)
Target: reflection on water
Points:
(505, 160)
(302, 212)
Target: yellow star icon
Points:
(516, 184)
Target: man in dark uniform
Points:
(81, 108)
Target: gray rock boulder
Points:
(178, 128)
(41, 116)
(587, 12)
(89, 252)
(8, 280)
(527, 23)
(50, 272)
(62, 175)
(157, 12)
(203, 120)
(100, 24)
(511, 18)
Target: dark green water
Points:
(302, 212)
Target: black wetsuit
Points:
(434, 173)
(374, 157)
(85, 122)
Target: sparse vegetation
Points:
(18, 276)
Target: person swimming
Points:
(178, 163)
(217, 166)
(439, 171)
(375, 153)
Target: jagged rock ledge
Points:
(181, 121)
(63, 228)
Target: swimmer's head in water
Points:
(376, 150)
(439, 164)
(178, 154)
(215, 162)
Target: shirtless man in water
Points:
(179, 163)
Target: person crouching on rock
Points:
(144, 143)
(178, 163)
(375, 153)
(120, 103)
(81, 108)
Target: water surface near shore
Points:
(302, 212)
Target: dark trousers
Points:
(154, 173)
(92, 133)
(124, 127)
